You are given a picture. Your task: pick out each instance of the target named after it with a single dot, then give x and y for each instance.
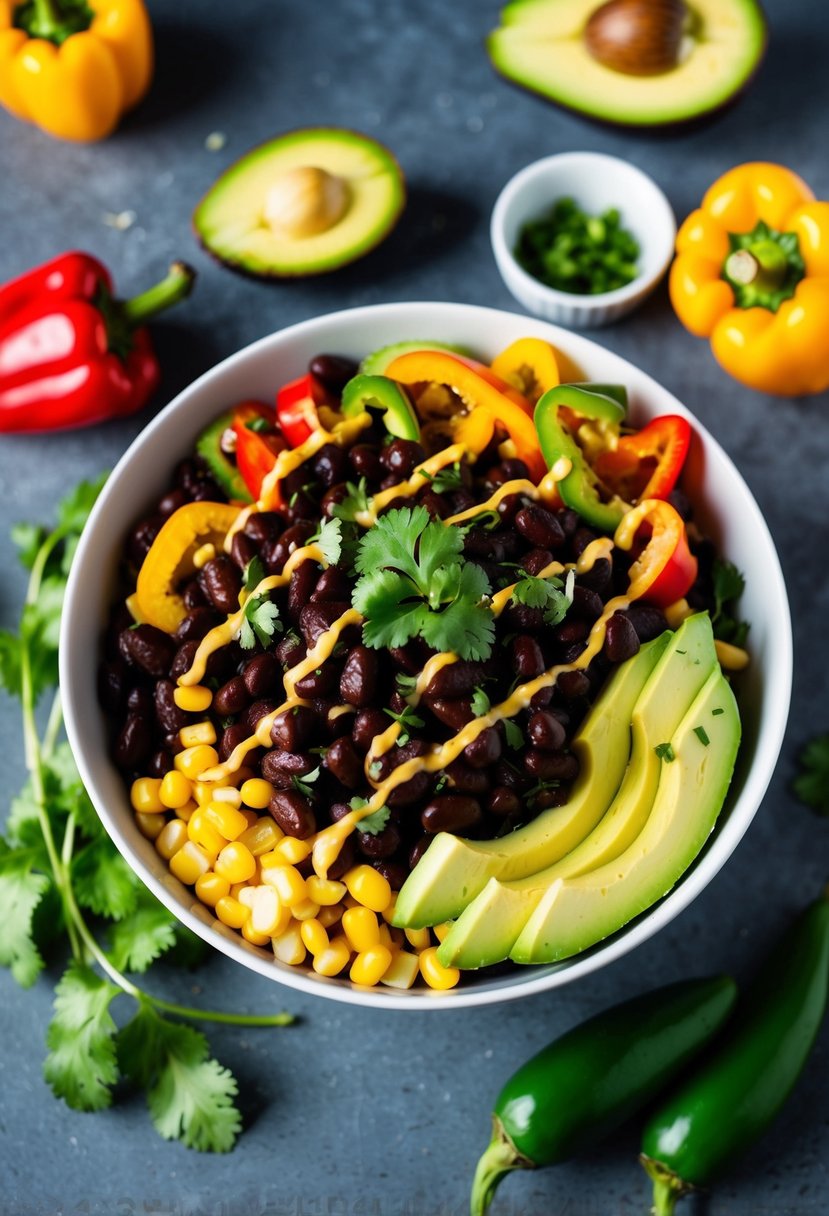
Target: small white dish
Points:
(596, 182)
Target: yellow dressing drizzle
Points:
(421, 476)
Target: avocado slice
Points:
(576, 913)
(304, 203)
(376, 363)
(541, 45)
(225, 472)
(453, 871)
(487, 929)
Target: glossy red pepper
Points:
(646, 464)
(665, 568)
(296, 409)
(70, 353)
(258, 443)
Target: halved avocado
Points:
(542, 45)
(304, 203)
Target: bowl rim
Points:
(777, 678)
(508, 264)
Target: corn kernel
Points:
(333, 959)
(236, 863)
(361, 928)
(189, 862)
(731, 658)
(261, 836)
(434, 973)
(676, 613)
(225, 819)
(226, 793)
(244, 892)
(289, 947)
(384, 936)
(175, 790)
(231, 913)
(330, 916)
(368, 887)
(370, 966)
(402, 971)
(293, 851)
(252, 817)
(267, 914)
(194, 700)
(289, 883)
(194, 760)
(314, 936)
(133, 608)
(149, 825)
(255, 939)
(204, 554)
(144, 795)
(388, 913)
(256, 793)
(204, 833)
(171, 838)
(199, 732)
(419, 939)
(324, 891)
(440, 931)
(186, 812)
(305, 909)
(210, 888)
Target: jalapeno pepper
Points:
(589, 1081)
(209, 446)
(380, 393)
(647, 463)
(665, 568)
(578, 487)
(736, 1092)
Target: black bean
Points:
(338, 811)
(394, 873)
(506, 470)
(478, 542)
(140, 701)
(544, 730)
(400, 457)
(358, 682)
(231, 698)
(598, 577)
(318, 683)
(230, 739)
(527, 658)
(569, 631)
(259, 709)
(187, 474)
(573, 684)
(647, 620)
(206, 491)
(456, 679)
(483, 750)
(467, 780)
(503, 801)
(555, 795)
(293, 813)
(276, 552)
(149, 648)
(300, 588)
(524, 618)
(160, 763)
(333, 584)
(505, 774)
(365, 461)
(621, 641)
(344, 763)
(536, 560)
(294, 728)
(450, 813)
(367, 725)
(193, 596)
(317, 619)
(542, 698)
(243, 549)
(197, 624)
(142, 537)
(540, 527)
(170, 717)
(418, 849)
(509, 506)
(415, 788)
(380, 845)
(408, 658)
(333, 498)
(333, 371)
(330, 465)
(262, 675)
(133, 743)
(171, 502)
(290, 650)
(173, 743)
(345, 859)
(112, 685)
(262, 526)
(435, 504)
(280, 767)
(580, 539)
(454, 712)
(551, 766)
(587, 604)
(221, 582)
(183, 659)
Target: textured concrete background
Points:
(354, 1112)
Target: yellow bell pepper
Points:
(71, 75)
(530, 365)
(752, 274)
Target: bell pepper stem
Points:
(764, 266)
(47, 20)
(668, 1187)
(175, 286)
(499, 1158)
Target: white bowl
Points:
(726, 510)
(596, 182)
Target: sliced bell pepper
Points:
(529, 365)
(646, 464)
(170, 559)
(579, 487)
(486, 403)
(380, 393)
(258, 443)
(223, 469)
(665, 568)
(296, 409)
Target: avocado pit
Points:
(305, 201)
(638, 37)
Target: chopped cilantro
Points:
(261, 621)
(406, 685)
(375, 769)
(729, 585)
(513, 734)
(253, 574)
(480, 703)
(665, 752)
(702, 734)
(330, 540)
(355, 503)
(446, 479)
(304, 784)
(551, 595)
(374, 823)
(408, 719)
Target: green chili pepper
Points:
(739, 1088)
(593, 1078)
(579, 253)
(380, 393)
(224, 470)
(579, 489)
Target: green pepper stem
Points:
(668, 1187)
(763, 265)
(46, 19)
(499, 1158)
(175, 286)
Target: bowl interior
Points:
(726, 508)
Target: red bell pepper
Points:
(258, 443)
(665, 568)
(296, 409)
(646, 464)
(70, 353)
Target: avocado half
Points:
(304, 203)
(541, 45)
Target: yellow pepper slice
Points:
(76, 87)
(170, 559)
(530, 365)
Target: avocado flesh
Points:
(376, 363)
(229, 220)
(487, 929)
(540, 46)
(576, 913)
(453, 871)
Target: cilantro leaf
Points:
(513, 734)
(81, 1066)
(406, 685)
(811, 785)
(392, 618)
(261, 622)
(446, 479)
(74, 508)
(728, 586)
(546, 594)
(374, 823)
(27, 539)
(330, 540)
(355, 502)
(21, 890)
(481, 703)
(304, 784)
(102, 880)
(190, 1095)
(253, 573)
(143, 936)
(10, 677)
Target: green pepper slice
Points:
(380, 393)
(579, 489)
(224, 470)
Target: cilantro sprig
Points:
(415, 583)
(260, 619)
(551, 595)
(65, 888)
(374, 823)
(728, 585)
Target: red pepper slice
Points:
(296, 409)
(646, 464)
(258, 443)
(665, 568)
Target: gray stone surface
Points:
(355, 1112)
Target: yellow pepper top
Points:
(752, 274)
(73, 69)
